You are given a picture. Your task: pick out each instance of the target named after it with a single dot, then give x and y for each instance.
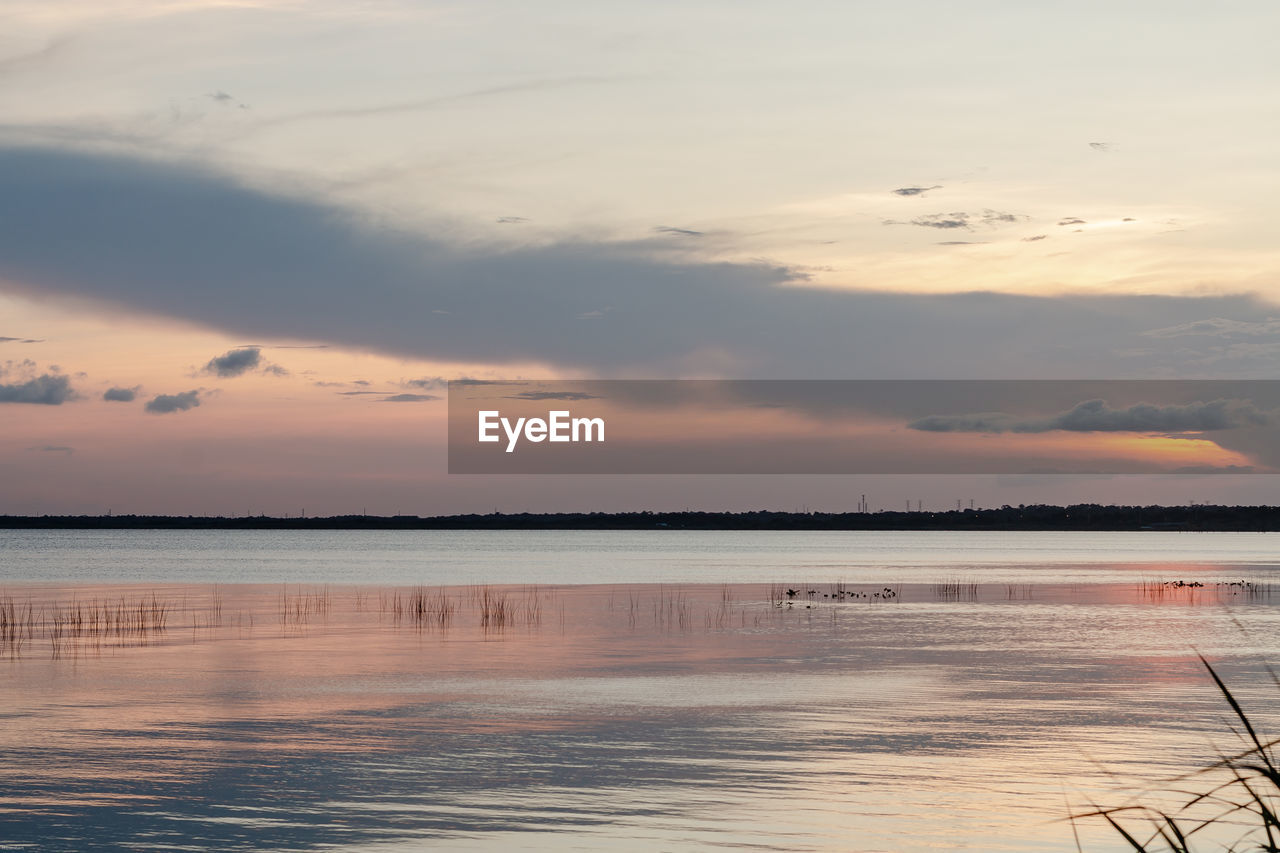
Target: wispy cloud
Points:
(909, 192)
(552, 395)
(53, 448)
(410, 398)
(1097, 416)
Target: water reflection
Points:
(616, 716)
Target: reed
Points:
(1238, 794)
(956, 590)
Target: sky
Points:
(243, 245)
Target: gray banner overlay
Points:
(864, 427)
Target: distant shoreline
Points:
(1082, 517)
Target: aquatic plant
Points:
(1239, 793)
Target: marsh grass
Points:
(302, 606)
(1238, 794)
(956, 590)
(79, 625)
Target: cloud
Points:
(427, 383)
(678, 232)
(53, 448)
(163, 404)
(943, 220)
(1219, 327)
(4, 340)
(908, 192)
(121, 395)
(552, 395)
(1071, 220)
(1101, 146)
(48, 389)
(511, 220)
(961, 219)
(235, 362)
(1096, 416)
(1035, 238)
(153, 238)
(409, 398)
(359, 393)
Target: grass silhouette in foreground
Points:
(1242, 793)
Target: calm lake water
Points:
(634, 691)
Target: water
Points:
(654, 691)
(574, 557)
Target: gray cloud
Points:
(4, 340)
(914, 191)
(53, 448)
(48, 389)
(961, 219)
(163, 404)
(359, 393)
(1096, 416)
(1071, 220)
(552, 395)
(1035, 238)
(678, 232)
(235, 362)
(121, 395)
(943, 220)
(154, 238)
(1219, 327)
(428, 383)
(511, 220)
(1101, 146)
(409, 398)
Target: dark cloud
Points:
(361, 382)
(48, 389)
(163, 404)
(234, 362)
(1097, 416)
(154, 238)
(359, 393)
(511, 220)
(914, 191)
(679, 232)
(53, 448)
(409, 398)
(1071, 220)
(121, 395)
(1035, 238)
(428, 383)
(4, 340)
